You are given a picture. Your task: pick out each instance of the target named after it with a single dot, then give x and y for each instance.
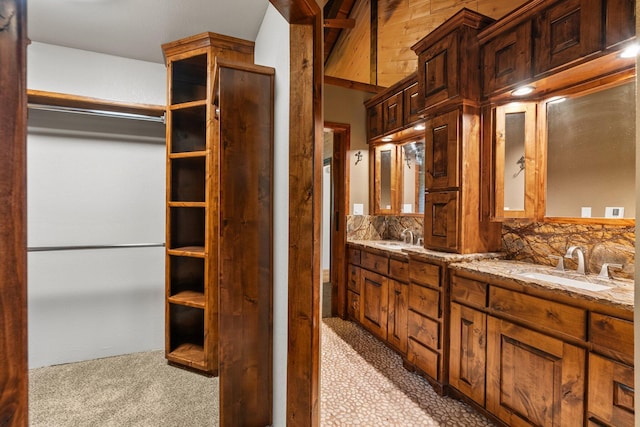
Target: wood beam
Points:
(14, 407)
(373, 54)
(350, 84)
(339, 23)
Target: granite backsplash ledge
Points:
(383, 227)
(535, 242)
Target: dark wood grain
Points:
(245, 100)
(305, 205)
(13, 202)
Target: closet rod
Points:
(84, 247)
(102, 113)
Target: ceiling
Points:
(136, 28)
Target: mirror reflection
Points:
(591, 154)
(412, 177)
(385, 179)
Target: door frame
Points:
(339, 211)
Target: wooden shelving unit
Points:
(192, 201)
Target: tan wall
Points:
(346, 106)
(401, 23)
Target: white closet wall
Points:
(94, 181)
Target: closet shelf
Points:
(192, 251)
(188, 154)
(188, 354)
(187, 204)
(189, 298)
(64, 100)
(190, 104)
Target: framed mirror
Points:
(514, 160)
(590, 153)
(397, 181)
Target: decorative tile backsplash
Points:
(382, 227)
(532, 242)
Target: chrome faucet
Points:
(580, 252)
(407, 233)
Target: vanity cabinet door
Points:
(397, 320)
(353, 306)
(533, 379)
(611, 393)
(441, 221)
(441, 152)
(392, 108)
(374, 121)
(467, 351)
(506, 59)
(374, 303)
(567, 31)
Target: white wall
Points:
(342, 105)
(94, 182)
(272, 49)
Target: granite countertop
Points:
(619, 292)
(398, 247)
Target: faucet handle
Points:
(560, 264)
(420, 241)
(604, 271)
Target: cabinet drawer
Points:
(612, 333)
(423, 358)
(353, 306)
(539, 312)
(353, 281)
(424, 300)
(374, 120)
(412, 103)
(373, 262)
(469, 292)
(399, 270)
(353, 256)
(424, 330)
(424, 273)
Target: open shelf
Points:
(189, 79)
(188, 251)
(186, 332)
(188, 298)
(186, 274)
(188, 179)
(189, 129)
(188, 354)
(188, 154)
(187, 227)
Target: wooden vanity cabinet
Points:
(425, 351)
(374, 120)
(611, 373)
(377, 294)
(468, 338)
(392, 112)
(529, 358)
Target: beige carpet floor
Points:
(363, 383)
(134, 390)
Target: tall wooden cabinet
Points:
(192, 198)
(448, 67)
(219, 253)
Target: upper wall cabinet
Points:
(448, 60)
(566, 31)
(544, 37)
(393, 110)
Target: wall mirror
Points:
(514, 160)
(590, 168)
(397, 178)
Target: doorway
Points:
(334, 211)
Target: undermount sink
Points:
(573, 283)
(391, 245)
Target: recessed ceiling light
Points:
(419, 127)
(630, 51)
(522, 91)
(387, 139)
